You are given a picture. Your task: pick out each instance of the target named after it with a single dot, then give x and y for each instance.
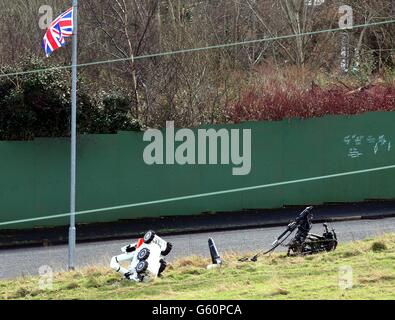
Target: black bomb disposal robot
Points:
(304, 242)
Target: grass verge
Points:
(273, 277)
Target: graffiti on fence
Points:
(357, 144)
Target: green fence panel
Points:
(111, 171)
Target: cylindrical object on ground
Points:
(214, 252)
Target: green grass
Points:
(273, 277)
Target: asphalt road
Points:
(27, 261)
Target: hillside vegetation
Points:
(301, 76)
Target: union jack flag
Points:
(60, 28)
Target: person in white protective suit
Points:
(145, 258)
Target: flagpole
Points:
(72, 229)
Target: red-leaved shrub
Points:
(276, 102)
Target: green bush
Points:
(39, 104)
(115, 112)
